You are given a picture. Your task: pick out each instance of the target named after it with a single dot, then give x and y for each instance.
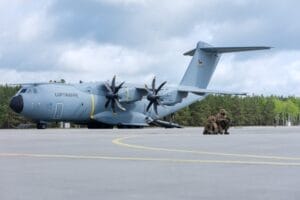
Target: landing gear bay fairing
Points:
(122, 104)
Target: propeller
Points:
(153, 97)
(112, 95)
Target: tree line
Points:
(8, 118)
(243, 110)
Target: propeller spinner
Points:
(112, 95)
(153, 97)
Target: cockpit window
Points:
(29, 90)
(23, 90)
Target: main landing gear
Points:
(41, 125)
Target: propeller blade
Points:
(113, 83)
(119, 105)
(148, 90)
(159, 88)
(112, 95)
(119, 87)
(160, 103)
(107, 103)
(152, 96)
(149, 105)
(153, 84)
(155, 108)
(107, 87)
(113, 107)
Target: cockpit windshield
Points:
(23, 90)
(29, 90)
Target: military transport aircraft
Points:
(108, 104)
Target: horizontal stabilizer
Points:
(226, 49)
(201, 91)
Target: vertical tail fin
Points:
(204, 62)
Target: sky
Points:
(92, 40)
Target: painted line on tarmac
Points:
(167, 160)
(120, 142)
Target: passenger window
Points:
(29, 91)
(34, 90)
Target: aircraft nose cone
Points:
(16, 104)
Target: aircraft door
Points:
(58, 111)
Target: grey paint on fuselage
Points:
(81, 102)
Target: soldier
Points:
(223, 122)
(211, 126)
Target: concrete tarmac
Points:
(250, 163)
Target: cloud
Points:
(137, 39)
(271, 73)
(123, 2)
(34, 27)
(104, 59)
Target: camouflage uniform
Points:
(211, 126)
(223, 122)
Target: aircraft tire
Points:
(128, 127)
(99, 126)
(41, 126)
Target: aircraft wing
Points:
(201, 91)
(35, 84)
(24, 84)
(139, 86)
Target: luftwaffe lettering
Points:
(65, 94)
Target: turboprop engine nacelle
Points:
(129, 95)
(172, 97)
